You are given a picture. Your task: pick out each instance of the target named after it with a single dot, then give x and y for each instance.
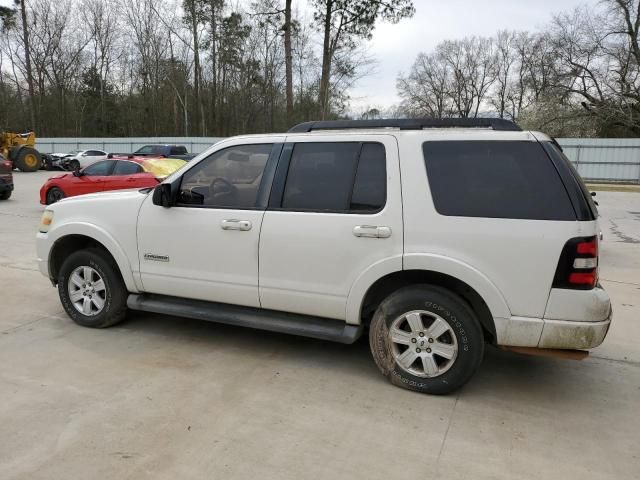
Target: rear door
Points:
(335, 210)
(127, 174)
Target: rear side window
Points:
(495, 179)
(127, 168)
(178, 150)
(336, 177)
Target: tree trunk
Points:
(323, 99)
(197, 74)
(214, 66)
(27, 54)
(288, 61)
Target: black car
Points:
(6, 178)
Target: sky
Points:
(395, 47)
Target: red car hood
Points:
(62, 175)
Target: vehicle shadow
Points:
(503, 374)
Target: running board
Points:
(274, 321)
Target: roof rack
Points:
(409, 124)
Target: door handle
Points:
(234, 224)
(372, 231)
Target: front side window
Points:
(229, 178)
(495, 179)
(146, 149)
(336, 177)
(99, 169)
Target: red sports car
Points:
(111, 174)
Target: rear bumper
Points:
(574, 320)
(573, 335)
(6, 183)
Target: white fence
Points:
(604, 159)
(597, 159)
(121, 145)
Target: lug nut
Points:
(421, 334)
(431, 340)
(418, 350)
(413, 340)
(428, 350)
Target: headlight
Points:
(46, 221)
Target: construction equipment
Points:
(19, 149)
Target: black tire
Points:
(449, 307)
(28, 159)
(73, 165)
(54, 195)
(5, 195)
(115, 297)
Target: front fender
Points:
(102, 236)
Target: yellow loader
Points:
(19, 149)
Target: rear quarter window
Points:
(495, 179)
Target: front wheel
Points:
(91, 289)
(426, 338)
(5, 195)
(54, 195)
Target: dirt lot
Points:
(162, 397)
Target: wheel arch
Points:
(67, 243)
(476, 289)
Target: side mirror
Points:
(77, 172)
(162, 195)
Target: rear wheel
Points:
(28, 159)
(54, 194)
(5, 195)
(91, 289)
(426, 338)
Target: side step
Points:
(302, 325)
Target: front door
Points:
(206, 245)
(93, 178)
(336, 211)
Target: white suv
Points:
(437, 236)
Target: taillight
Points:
(578, 264)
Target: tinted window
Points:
(94, 153)
(321, 176)
(228, 178)
(99, 168)
(578, 191)
(178, 150)
(127, 168)
(495, 179)
(145, 149)
(336, 177)
(370, 186)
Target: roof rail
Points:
(409, 124)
